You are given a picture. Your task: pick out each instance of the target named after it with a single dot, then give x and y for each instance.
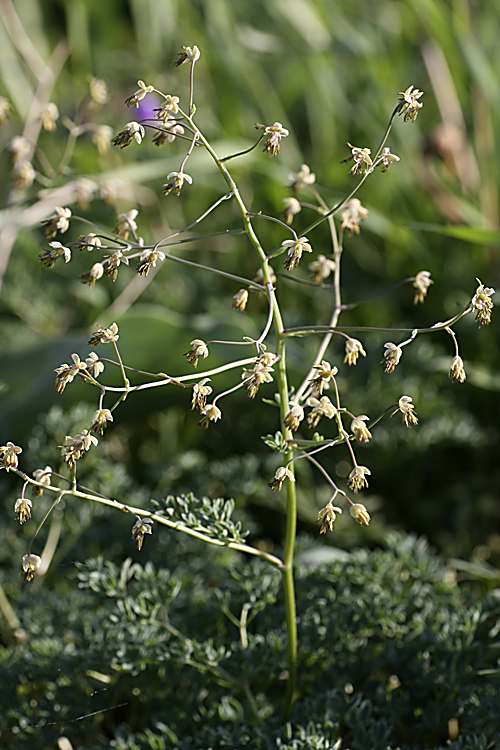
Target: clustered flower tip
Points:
(131, 131)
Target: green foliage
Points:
(155, 657)
(212, 516)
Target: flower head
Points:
(327, 516)
(139, 95)
(360, 514)
(169, 107)
(292, 208)
(360, 156)
(148, 260)
(95, 273)
(353, 348)
(58, 222)
(104, 335)
(132, 131)
(294, 417)
(387, 158)
(360, 430)
(94, 365)
(176, 181)
(408, 104)
(352, 215)
(392, 355)
(322, 407)
(211, 413)
(357, 478)
(482, 304)
(240, 299)
(260, 373)
(188, 55)
(275, 132)
(101, 138)
(67, 373)
(141, 527)
(101, 416)
(457, 370)
(75, 447)
(126, 223)
(49, 116)
(321, 268)
(295, 250)
(421, 283)
(22, 509)
(324, 373)
(200, 392)
(43, 477)
(280, 475)
(407, 409)
(198, 349)
(9, 453)
(31, 563)
(301, 179)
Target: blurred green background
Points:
(329, 71)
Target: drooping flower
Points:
(31, 563)
(360, 156)
(322, 407)
(211, 413)
(280, 475)
(392, 355)
(148, 260)
(408, 104)
(327, 516)
(198, 349)
(141, 527)
(276, 132)
(240, 299)
(482, 304)
(301, 179)
(387, 159)
(352, 215)
(101, 416)
(131, 131)
(22, 509)
(200, 392)
(457, 370)
(58, 222)
(321, 268)
(360, 430)
(175, 182)
(407, 409)
(188, 55)
(360, 514)
(104, 335)
(353, 348)
(292, 208)
(421, 283)
(9, 455)
(357, 478)
(294, 417)
(42, 476)
(139, 95)
(295, 250)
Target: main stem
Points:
(281, 377)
